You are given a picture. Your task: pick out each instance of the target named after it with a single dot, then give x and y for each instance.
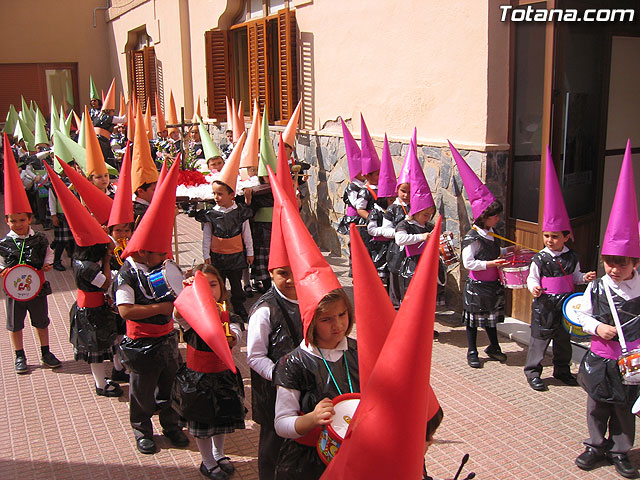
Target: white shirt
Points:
(353, 194)
(361, 202)
(48, 256)
(207, 231)
(372, 228)
(288, 400)
(533, 280)
(388, 230)
(626, 289)
(403, 238)
(470, 251)
(258, 339)
(124, 293)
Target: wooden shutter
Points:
(151, 76)
(144, 78)
(257, 45)
(218, 70)
(137, 76)
(288, 81)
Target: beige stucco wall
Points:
(41, 31)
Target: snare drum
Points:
(22, 282)
(514, 273)
(333, 434)
(629, 365)
(447, 250)
(166, 282)
(570, 309)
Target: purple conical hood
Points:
(555, 217)
(353, 153)
(370, 159)
(387, 180)
(403, 177)
(622, 237)
(479, 195)
(421, 197)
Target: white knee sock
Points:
(204, 446)
(218, 446)
(98, 372)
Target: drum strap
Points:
(346, 364)
(616, 319)
(372, 192)
(21, 249)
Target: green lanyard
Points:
(21, 249)
(344, 355)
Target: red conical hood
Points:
(163, 173)
(198, 307)
(15, 196)
(122, 208)
(84, 227)
(98, 202)
(155, 230)
(398, 389)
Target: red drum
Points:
(629, 365)
(23, 282)
(514, 273)
(333, 434)
(447, 250)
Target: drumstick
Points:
(495, 235)
(470, 476)
(465, 459)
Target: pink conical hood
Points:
(622, 237)
(370, 160)
(387, 180)
(421, 197)
(479, 195)
(556, 218)
(403, 177)
(354, 159)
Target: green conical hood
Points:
(22, 132)
(27, 115)
(267, 153)
(209, 148)
(69, 94)
(40, 131)
(67, 150)
(12, 119)
(67, 123)
(62, 126)
(82, 141)
(93, 91)
(54, 120)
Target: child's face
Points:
(423, 216)
(620, 273)
(151, 259)
(230, 136)
(215, 164)
(404, 192)
(214, 283)
(147, 194)
(163, 133)
(175, 135)
(331, 325)
(19, 222)
(360, 177)
(222, 196)
(195, 135)
(283, 280)
(95, 103)
(101, 181)
(492, 221)
(554, 240)
(122, 230)
(288, 150)
(373, 177)
(252, 171)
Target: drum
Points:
(447, 250)
(166, 283)
(629, 365)
(570, 309)
(22, 282)
(514, 273)
(333, 434)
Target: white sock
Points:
(98, 372)
(218, 446)
(204, 446)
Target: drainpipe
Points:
(100, 8)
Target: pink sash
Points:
(610, 348)
(488, 275)
(557, 285)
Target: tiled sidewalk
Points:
(57, 428)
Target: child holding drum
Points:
(553, 273)
(609, 313)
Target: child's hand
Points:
(188, 281)
(537, 291)
(55, 221)
(496, 263)
(606, 331)
(250, 259)
(4, 271)
(232, 341)
(45, 268)
(426, 235)
(207, 261)
(248, 195)
(589, 277)
(323, 412)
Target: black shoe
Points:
(623, 466)
(146, 446)
(21, 365)
(225, 465)
(119, 375)
(58, 266)
(248, 291)
(495, 353)
(473, 360)
(112, 389)
(216, 473)
(177, 438)
(537, 384)
(50, 360)
(567, 379)
(589, 458)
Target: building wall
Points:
(39, 31)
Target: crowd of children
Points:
(298, 346)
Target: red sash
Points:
(372, 192)
(136, 330)
(204, 362)
(90, 299)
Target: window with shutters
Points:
(255, 59)
(143, 69)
